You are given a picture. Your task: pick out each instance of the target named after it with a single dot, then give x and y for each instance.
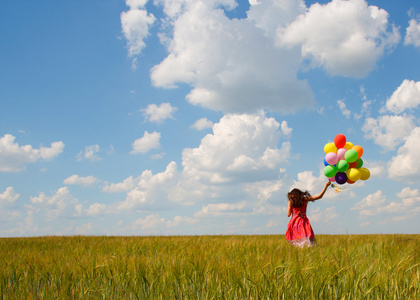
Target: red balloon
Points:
(350, 181)
(340, 141)
(353, 165)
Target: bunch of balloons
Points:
(343, 162)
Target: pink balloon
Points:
(332, 179)
(340, 153)
(331, 158)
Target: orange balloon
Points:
(359, 150)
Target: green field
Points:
(210, 267)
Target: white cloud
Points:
(151, 190)
(152, 221)
(232, 65)
(59, 204)
(343, 108)
(8, 196)
(286, 130)
(84, 181)
(135, 25)
(250, 151)
(13, 157)
(128, 184)
(202, 123)
(90, 153)
(406, 164)
(8, 209)
(346, 38)
(412, 35)
(224, 209)
(158, 114)
(388, 131)
(179, 221)
(399, 210)
(146, 143)
(406, 96)
(316, 215)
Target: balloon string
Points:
(337, 189)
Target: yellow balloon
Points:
(348, 145)
(365, 173)
(330, 147)
(353, 174)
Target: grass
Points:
(210, 267)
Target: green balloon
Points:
(342, 166)
(330, 171)
(359, 163)
(351, 156)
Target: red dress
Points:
(299, 231)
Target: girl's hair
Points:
(298, 197)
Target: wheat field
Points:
(210, 267)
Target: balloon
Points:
(365, 174)
(332, 179)
(353, 165)
(348, 146)
(331, 158)
(341, 178)
(350, 181)
(359, 163)
(341, 152)
(330, 147)
(359, 150)
(342, 166)
(351, 155)
(353, 174)
(330, 171)
(340, 140)
(325, 163)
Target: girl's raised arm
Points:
(322, 193)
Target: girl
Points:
(299, 231)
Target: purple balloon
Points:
(341, 178)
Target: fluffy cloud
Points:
(232, 65)
(119, 187)
(388, 131)
(346, 38)
(135, 25)
(158, 114)
(406, 96)
(150, 222)
(146, 143)
(405, 208)
(8, 200)
(13, 157)
(59, 204)
(202, 123)
(317, 215)
(406, 164)
(250, 151)
(84, 181)
(8, 196)
(90, 153)
(144, 192)
(412, 36)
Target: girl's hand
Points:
(328, 183)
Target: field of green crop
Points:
(210, 267)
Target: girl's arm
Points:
(289, 209)
(321, 194)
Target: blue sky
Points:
(189, 117)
